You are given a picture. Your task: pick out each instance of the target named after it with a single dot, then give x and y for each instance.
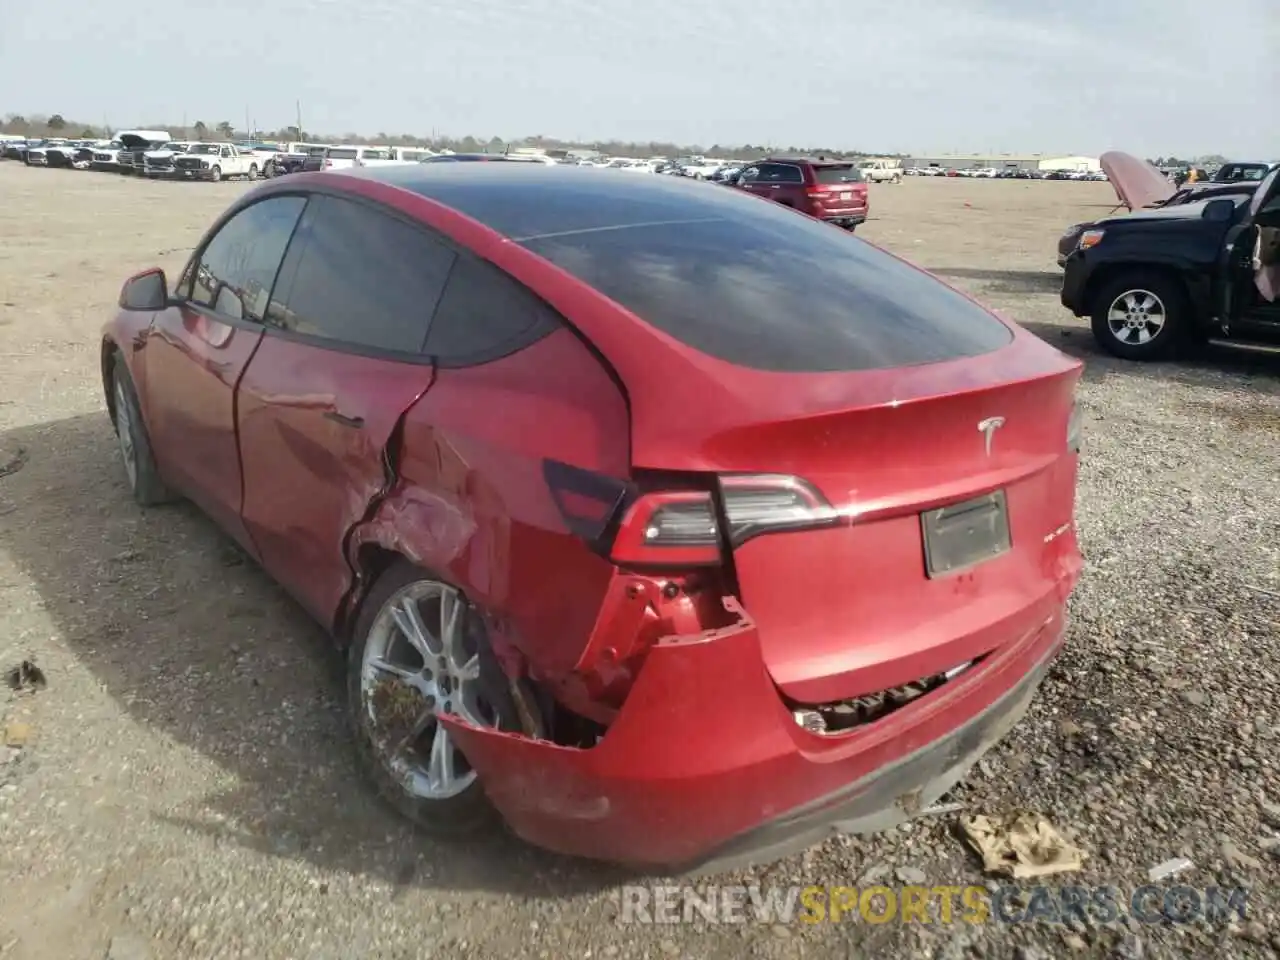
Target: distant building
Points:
(977, 161)
(1002, 161)
(1088, 164)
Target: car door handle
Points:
(339, 418)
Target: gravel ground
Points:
(185, 787)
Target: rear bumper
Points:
(706, 769)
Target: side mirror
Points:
(148, 291)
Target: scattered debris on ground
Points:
(1021, 846)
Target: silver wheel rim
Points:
(124, 433)
(1136, 317)
(420, 661)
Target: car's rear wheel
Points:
(253, 171)
(1142, 315)
(420, 649)
(135, 445)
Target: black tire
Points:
(253, 172)
(135, 444)
(455, 817)
(1132, 292)
(269, 170)
(215, 173)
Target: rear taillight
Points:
(684, 528)
(680, 527)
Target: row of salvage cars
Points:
(1183, 266)
(152, 153)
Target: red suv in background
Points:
(831, 190)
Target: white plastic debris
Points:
(1163, 871)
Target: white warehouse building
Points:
(1002, 161)
(1087, 164)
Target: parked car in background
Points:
(347, 155)
(134, 145)
(1140, 185)
(1159, 280)
(1233, 172)
(159, 162)
(106, 155)
(829, 190)
(881, 171)
(577, 469)
(483, 158)
(266, 155)
(57, 150)
(214, 162)
(295, 157)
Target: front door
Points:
(1250, 272)
(340, 363)
(197, 350)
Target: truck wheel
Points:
(1141, 315)
(215, 173)
(253, 171)
(269, 169)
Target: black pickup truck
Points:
(1160, 279)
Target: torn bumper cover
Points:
(705, 767)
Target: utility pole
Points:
(298, 106)
(247, 131)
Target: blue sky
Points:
(908, 75)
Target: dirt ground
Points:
(184, 786)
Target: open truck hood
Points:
(1137, 183)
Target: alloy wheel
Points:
(421, 660)
(124, 432)
(1136, 317)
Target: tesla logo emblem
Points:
(988, 428)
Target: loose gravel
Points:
(184, 786)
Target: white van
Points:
(344, 156)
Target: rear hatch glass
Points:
(833, 175)
(780, 293)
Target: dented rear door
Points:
(319, 404)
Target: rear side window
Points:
(484, 315)
(356, 275)
(340, 154)
(779, 173)
(778, 292)
(831, 175)
(377, 154)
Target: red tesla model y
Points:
(671, 525)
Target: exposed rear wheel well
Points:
(372, 561)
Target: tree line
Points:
(55, 125)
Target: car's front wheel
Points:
(135, 445)
(420, 649)
(215, 173)
(1141, 315)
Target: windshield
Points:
(206, 148)
(175, 147)
(342, 153)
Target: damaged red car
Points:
(672, 527)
